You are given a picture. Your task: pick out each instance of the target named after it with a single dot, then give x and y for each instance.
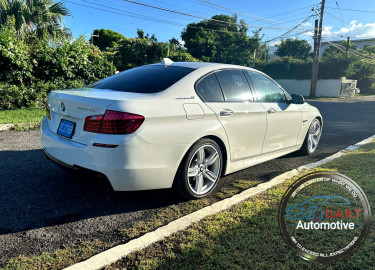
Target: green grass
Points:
(244, 237)
(58, 259)
(247, 236)
(30, 115)
(69, 255)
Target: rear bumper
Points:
(133, 165)
(74, 168)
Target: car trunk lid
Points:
(77, 104)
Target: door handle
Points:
(226, 112)
(271, 110)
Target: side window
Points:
(209, 89)
(268, 91)
(234, 84)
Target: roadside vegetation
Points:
(38, 54)
(26, 115)
(247, 236)
(244, 237)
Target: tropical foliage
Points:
(30, 71)
(106, 39)
(222, 39)
(295, 48)
(39, 17)
(133, 52)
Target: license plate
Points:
(66, 128)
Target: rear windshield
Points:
(145, 79)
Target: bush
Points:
(331, 66)
(15, 63)
(65, 60)
(16, 97)
(182, 57)
(132, 53)
(30, 71)
(286, 68)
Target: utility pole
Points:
(317, 42)
(92, 38)
(347, 44)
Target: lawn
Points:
(247, 236)
(30, 115)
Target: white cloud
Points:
(306, 24)
(355, 30)
(182, 43)
(276, 43)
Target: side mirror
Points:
(297, 99)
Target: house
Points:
(358, 44)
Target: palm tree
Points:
(38, 16)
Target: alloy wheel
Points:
(203, 169)
(315, 131)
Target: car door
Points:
(284, 119)
(227, 93)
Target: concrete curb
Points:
(116, 253)
(8, 127)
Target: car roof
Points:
(205, 65)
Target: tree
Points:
(175, 42)
(134, 52)
(295, 48)
(140, 33)
(15, 62)
(222, 39)
(42, 17)
(370, 49)
(339, 49)
(107, 39)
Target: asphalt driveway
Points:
(44, 208)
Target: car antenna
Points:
(166, 61)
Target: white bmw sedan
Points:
(180, 125)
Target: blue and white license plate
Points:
(66, 128)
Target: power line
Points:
(161, 21)
(355, 10)
(200, 17)
(333, 16)
(337, 5)
(239, 12)
(277, 15)
(288, 32)
(124, 13)
(343, 49)
(292, 11)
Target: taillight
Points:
(113, 122)
(48, 111)
(92, 123)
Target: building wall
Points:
(325, 88)
(359, 44)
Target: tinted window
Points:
(268, 91)
(145, 79)
(234, 84)
(209, 89)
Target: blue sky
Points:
(90, 14)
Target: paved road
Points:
(43, 208)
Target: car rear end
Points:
(97, 130)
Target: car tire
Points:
(312, 138)
(200, 170)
